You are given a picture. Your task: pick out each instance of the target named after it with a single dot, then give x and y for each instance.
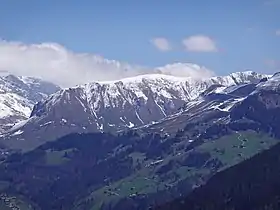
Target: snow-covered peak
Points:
(33, 89)
(247, 76)
(18, 94)
(271, 83)
(248, 73)
(237, 77)
(145, 77)
(167, 86)
(139, 91)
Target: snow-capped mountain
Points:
(214, 105)
(18, 95)
(115, 105)
(243, 104)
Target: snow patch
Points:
(82, 104)
(131, 125)
(17, 133)
(137, 115)
(63, 120)
(156, 162)
(121, 118)
(227, 104)
(161, 109)
(47, 123)
(99, 126)
(18, 125)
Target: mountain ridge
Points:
(115, 106)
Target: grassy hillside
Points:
(192, 168)
(102, 171)
(252, 184)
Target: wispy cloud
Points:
(186, 70)
(277, 32)
(200, 43)
(55, 63)
(161, 44)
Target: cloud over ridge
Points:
(55, 63)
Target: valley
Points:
(140, 105)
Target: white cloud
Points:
(161, 44)
(55, 63)
(200, 43)
(186, 70)
(277, 32)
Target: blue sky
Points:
(243, 32)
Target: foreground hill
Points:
(101, 171)
(252, 184)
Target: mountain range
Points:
(137, 142)
(113, 106)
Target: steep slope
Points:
(114, 106)
(18, 95)
(257, 187)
